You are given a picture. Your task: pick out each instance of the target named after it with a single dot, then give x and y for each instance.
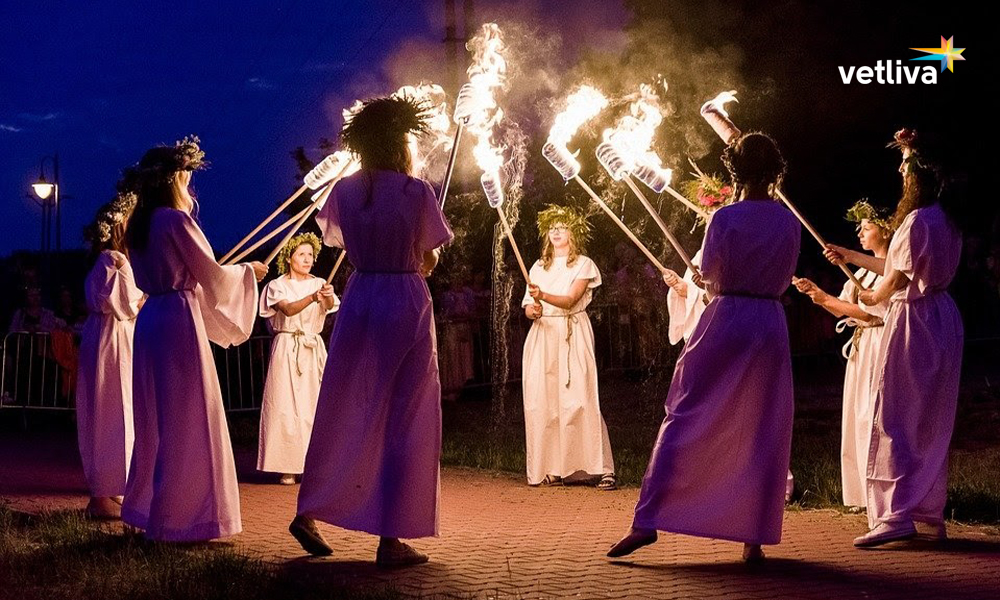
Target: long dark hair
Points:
(754, 159)
(925, 180)
(378, 136)
(152, 181)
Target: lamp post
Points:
(47, 196)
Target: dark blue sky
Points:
(100, 82)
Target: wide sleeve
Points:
(911, 235)
(111, 289)
(328, 218)
(434, 229)
(588, 270)
(527, 300)
(227, 294)
(274, 292)
(683, 312)
(712, 252)
(848, 292)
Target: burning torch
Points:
(715, 113)
(581, 106)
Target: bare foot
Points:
(635, 539)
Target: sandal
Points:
(549, 480)
(608, 483)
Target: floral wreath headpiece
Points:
(862, 209)
(568, 216)
(109, 216)
(907, 139)
(159, 165)
(285, 255)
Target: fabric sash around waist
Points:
(748, 295)
(386, 272)
(168, 292)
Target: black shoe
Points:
(303, 529)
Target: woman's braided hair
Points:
(754, 159)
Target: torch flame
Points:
(581, 106)
(718, 103)
(632, 137)
(477, 107)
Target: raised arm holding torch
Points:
(715, 113)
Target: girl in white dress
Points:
(296, 304)
(874, 234)
(916, 376)
(104, 376)
(564, 430)
(182, 483)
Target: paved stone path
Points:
(501, 539)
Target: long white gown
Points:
(104, 375)
(856, 421)
(374, 463)
(182, 484)
(685, 312)
(720, 462)
(564, 430)
(915, 390)
(298, 356)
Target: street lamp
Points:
(48, 198)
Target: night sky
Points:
(99, 83)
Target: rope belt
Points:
(859, 326)
(570, 320)
(301, 338)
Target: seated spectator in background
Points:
(33, 317)
(458, 306)
(69, 310)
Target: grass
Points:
(64, 556)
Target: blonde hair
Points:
(549, 251)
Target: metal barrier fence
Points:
(35, 372)
(38, 371)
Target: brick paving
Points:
(501, 539)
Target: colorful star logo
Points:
(947, 54)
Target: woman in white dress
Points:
(916, 376)
(376, 466)
(104, 376)
(182, 483)
(720, 463)
(565, 433)
(874, 234)
(296, 304)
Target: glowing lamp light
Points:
(43, 189)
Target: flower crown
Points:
(109, 216)
(708, 191)
(570, 217)
(285, 255)
(874, 214)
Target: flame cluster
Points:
(477, 110)
(627, 147)
(581, 106)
